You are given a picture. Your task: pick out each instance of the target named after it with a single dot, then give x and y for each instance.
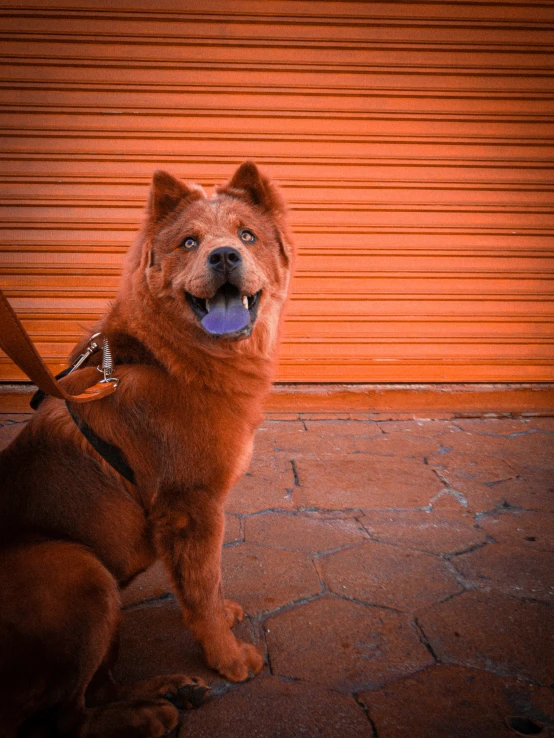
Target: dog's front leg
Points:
(189, 535)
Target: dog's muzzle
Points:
(228, 314)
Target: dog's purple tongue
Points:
(226, 313)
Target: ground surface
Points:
(397, 574)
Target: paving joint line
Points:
(368, 605)
(233, 544)
(470, 549)
(265, 615)
(331, 551)
(424, 640)
(264, 636)
(295, 473)
(365, 709)
(151, 602)
(496, 482)
(317, 566)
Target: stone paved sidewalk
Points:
(397, 574)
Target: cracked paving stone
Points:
(356, 428)
(344, 645)
(264, 439)
(311, 443)
(510, 570)
(153, 640)
(398, 444)
(474, 475)
(388, 576)
(263, 579)
(477, 444)
(303, 533)
(365, 482)
(533, 489)
(533, 449)
(520, 527)
(270, 707)
(496, 426)
(456, 702)
(270, 430)
(436, 531)
(264, 487)
(421, 427)
(499, 634)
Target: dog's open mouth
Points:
(228, 313)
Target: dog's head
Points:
(221, 265)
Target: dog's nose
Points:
(224, 259)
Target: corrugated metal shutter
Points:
(414, 142)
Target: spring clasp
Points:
(106, 368)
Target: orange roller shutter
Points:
(414, 142)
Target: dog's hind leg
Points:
(58, 622)
(59, 615)
(145, 709)
(182, 691)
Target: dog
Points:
(193, 334)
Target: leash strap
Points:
(110, 453)
(15, 342)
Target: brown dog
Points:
(193, 334)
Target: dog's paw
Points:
(234, 613)
(244, 663)
(182, 691)
(139, 718)
(189, 695)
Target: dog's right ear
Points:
(167, 193)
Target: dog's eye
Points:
(189, 243)
(247, 236)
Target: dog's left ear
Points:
(249, 184)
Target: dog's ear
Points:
(167, 193)
(249, 184)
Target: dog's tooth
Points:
(245, 301)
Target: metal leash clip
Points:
(92, 348)
(107, 362)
